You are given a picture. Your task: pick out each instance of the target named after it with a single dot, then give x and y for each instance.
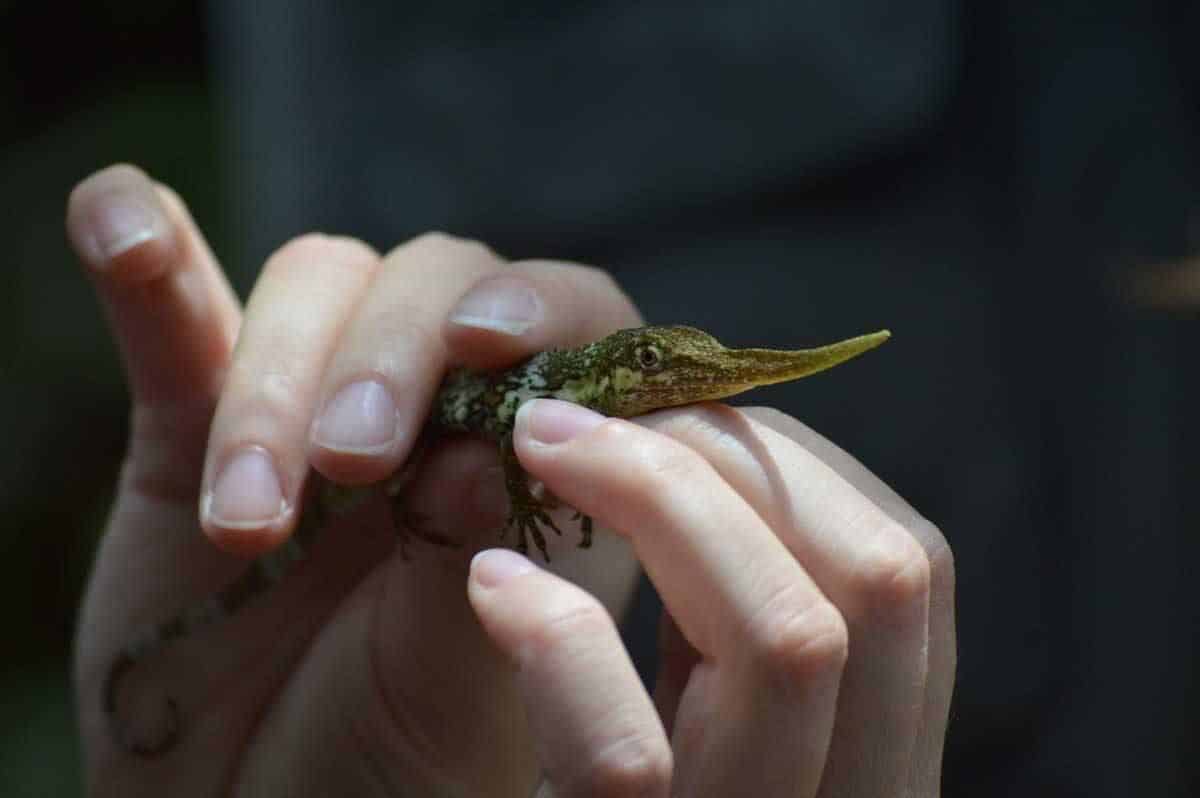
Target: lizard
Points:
(625, 374)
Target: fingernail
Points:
(361, 418)
(246, 492)
(123, 218)
(494, 567)
(549, 421)
(500, 304)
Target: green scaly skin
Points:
(625, 374)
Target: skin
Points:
(810, 653)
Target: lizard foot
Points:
(549, 501)
(527, 520)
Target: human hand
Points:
(808, 642)
(360, 672)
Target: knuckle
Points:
(171, 198)
(658, 475)
(584, 620)
(714, 426)
(433, 238)
(939, 555)
(942, 574)
(657, 485)
(126, 169)
(442, 244)
(272, 393)
(398, 321)
(394, 341)
(298, 248)
(607, 285)
(669, 464)
(303, 250)
(571, 275)
(639, 764)
(357, 250)
(279, 389)
(797, 641)
(893, 573)
(771, 416)
(602, 277)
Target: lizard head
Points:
(649, 368)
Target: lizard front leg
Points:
(526, 512)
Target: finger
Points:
(257, 453)
(738, 595)
(381, 378)
(534, 305)
(865, 561)
(441, 300)
(174, 320)
(171, 310)
(595, 728)
(925, 778)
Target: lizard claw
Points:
(585, 529)
(526, 522)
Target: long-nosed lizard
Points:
(625, 374)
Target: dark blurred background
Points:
(1011, 187)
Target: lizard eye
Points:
(649, 357)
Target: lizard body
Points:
(625, 374)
